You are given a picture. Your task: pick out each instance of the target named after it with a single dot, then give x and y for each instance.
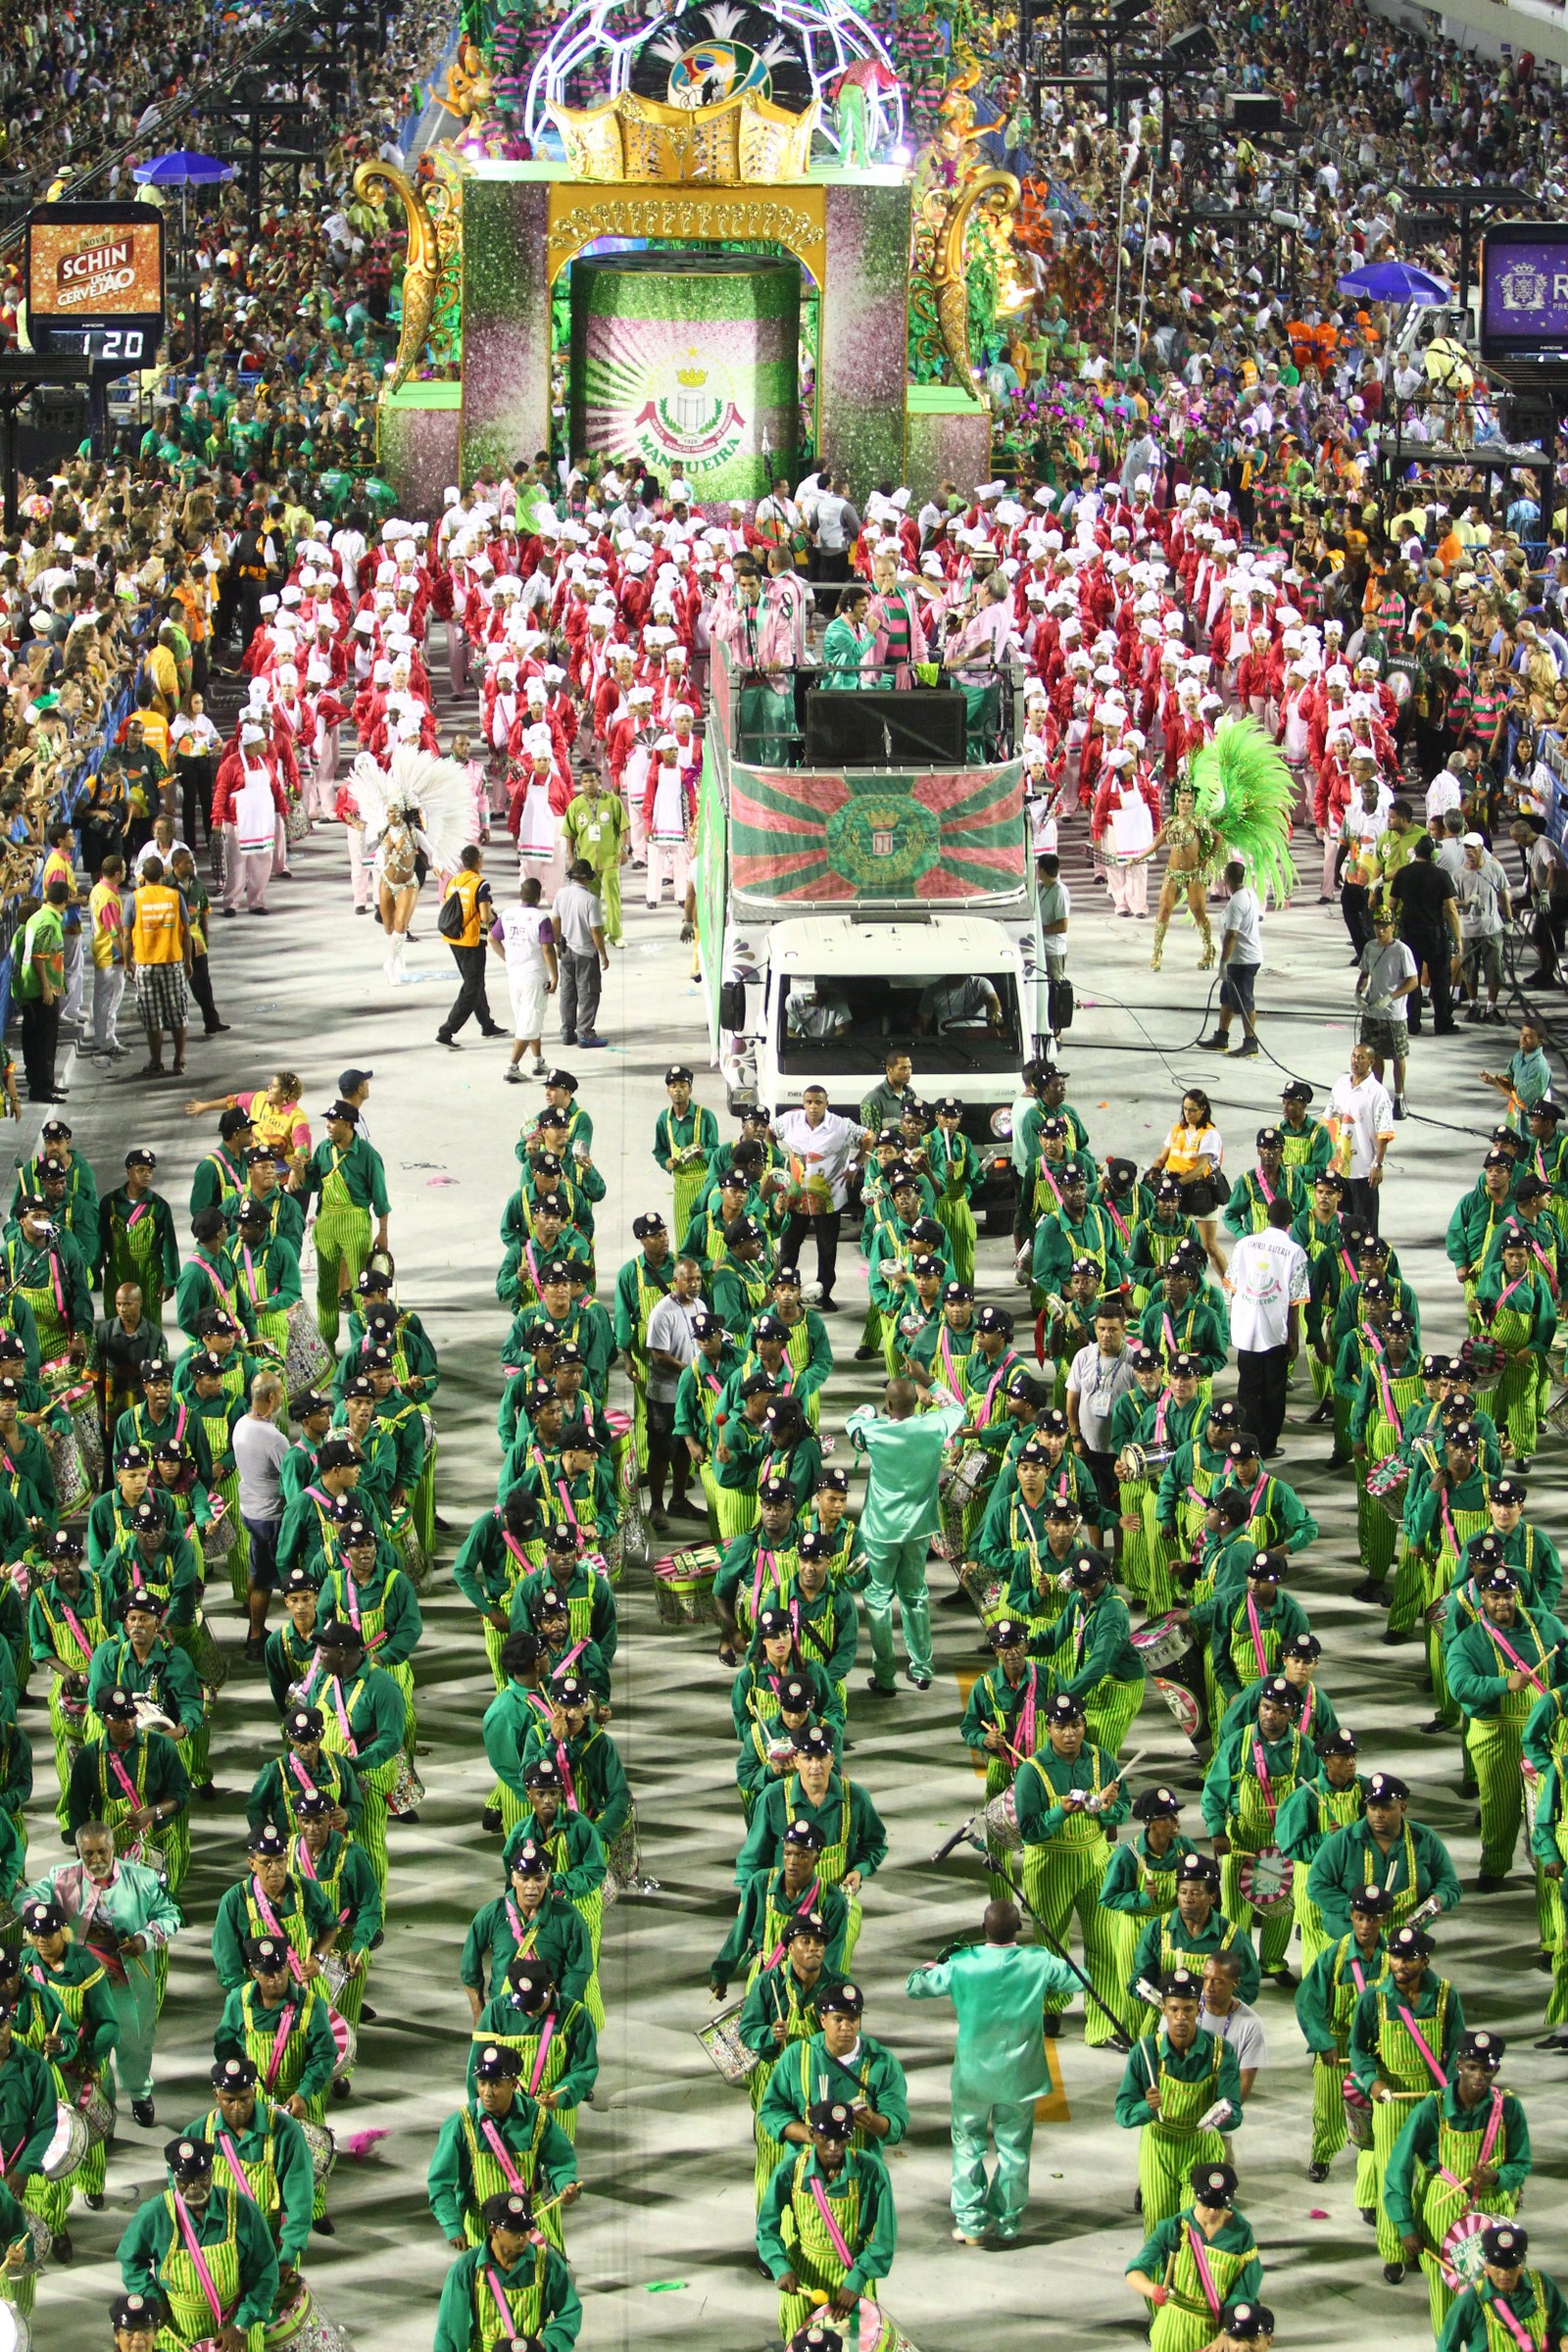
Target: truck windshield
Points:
(840, 1025)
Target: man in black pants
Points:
(1268, 1280)
(825, 1149)
(1428, 909)
(469, 897)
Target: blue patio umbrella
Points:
(184, 169)
(1396, 281)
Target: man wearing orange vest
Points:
(156, 935)
(464, 921)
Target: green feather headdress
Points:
(1246, 795)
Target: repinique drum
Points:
(726, 2048)
(1138, 1461)
(1266, 1879)
(96, 2109)
(1001, 1819)
(323, 2147)
(1357, 2112)
(683, 1586)
(68, 2146)
(1161, 1644)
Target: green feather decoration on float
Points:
(1246, 795)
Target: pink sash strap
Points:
(342, 1713)
(840, 2247)
(1488, 2141)
(1521, 2334)
(1211, 2294)
(498, 2149)
(231, 2159)
(285, 2027)
(808, 1902)
(270, 1916)
(1508, 1650)
(126, 1784)
(498, 2295)
(1424, 2047)
(545, 2040)
(1256, 1632)
(193, 2249)
(1260, 1767)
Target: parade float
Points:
(707, 240)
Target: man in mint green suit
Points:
(999, 1989)
(903, 1450)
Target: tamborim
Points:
(1387, 1480)
(724, 2046)
(69, 2145)
(1266, 1880)
(1001, 1820)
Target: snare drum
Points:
(300, 2325)
(407, 1791)
(40, 2238)
(961, 1482)
(306, 1354)
(683, 1586)
(15, 2333)
(874, 2331)
(1266, 1880)
(1387, 1480)
(323, 2147)
(622, 1453)
(723, 2044)
(621, 1860)
(334, 1975)
(1162, 1644)
(70, 1471)
(68, 2146)
(1001, 1819)
(210, 1665)
(218, 1536)
(1357, 2112)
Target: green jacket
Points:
(1352, 1858)
(1417, 2144)
(875, 2232)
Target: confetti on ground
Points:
(667, 2286)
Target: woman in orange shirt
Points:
(1193, 1152)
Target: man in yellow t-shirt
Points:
(468, 895)
(105, 918)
